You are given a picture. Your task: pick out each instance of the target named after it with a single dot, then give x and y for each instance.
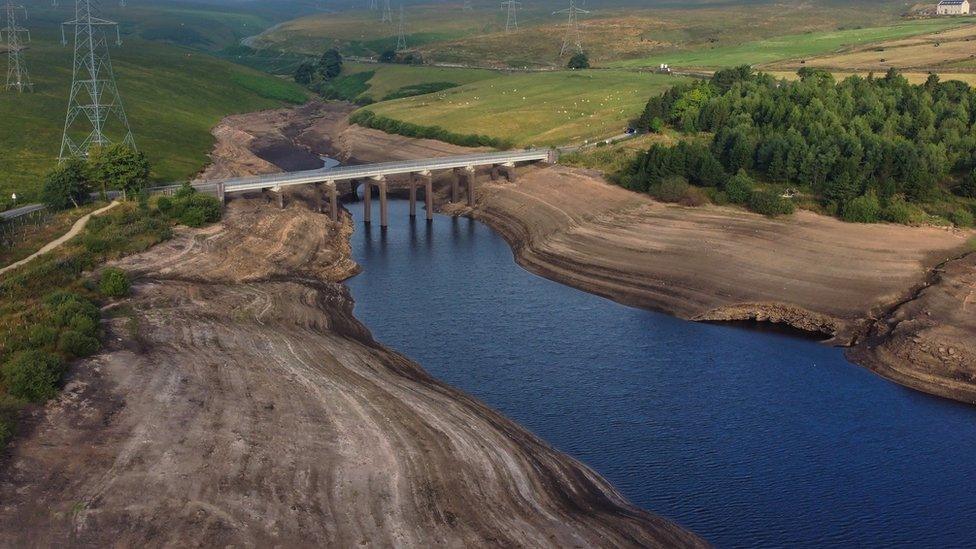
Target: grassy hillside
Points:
(386, 79)
(796, 46)
(445, 33)
(172, 95)
(551, 108)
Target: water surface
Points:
(749, 438)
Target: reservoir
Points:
(747, 437)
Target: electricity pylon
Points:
(467, 6)
(94, 105)
(401, 33)
(387, 13)
(17, 77)
(573, 38)
(373, 5)
(511, 22)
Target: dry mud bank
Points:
(241, 403)
(809, 271)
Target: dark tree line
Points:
(878, 137)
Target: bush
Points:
(32, 375)
(578, 61)
(770, 203)
(114, 283)
(83, 324)
(671, 189)
(738, 188)
(898, 211)
(41, 335)
(369, 119)
(76, 344)
(967, 187)
(64, 306)
(656, 125)
(961, 218)
(863, 209)
(164, 204)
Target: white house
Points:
(952, 7)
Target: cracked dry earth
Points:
(241, 403)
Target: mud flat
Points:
(239, 402)
(811, 272)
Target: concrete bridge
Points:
(420, 173)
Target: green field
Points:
(387, 79)
(549, 108)
(173, 97)
(787, 47)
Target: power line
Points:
(511, 22)
(94, 105)
(401, 33)
(573, 37)
(17, 77)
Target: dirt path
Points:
(72, 232)
(241, 403)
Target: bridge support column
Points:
(281, 198)
(470, 174)
(367, 201)
(221, 193)
(493, 174)
(413, 197)
(428, 194)
(454, 185)
(333, 202)
(380, 182)
(509, 171)
(318, 197)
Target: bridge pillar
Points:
(428, 194)
(454, 185)
(509, 170)
(493, 174)
(333, 202)
(281, 197)
(221, 193)
(384, 210)
(367, 201)
(318, 197)
(413, 196)
(470, 174)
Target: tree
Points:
(968, 186)
(119, 167)
(66, 185)
(305, 73)
(330, 64)
(389, 56)
(578, 61)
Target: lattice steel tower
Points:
(17, 76)
(94, 107)
(573, 38)
(401, 33)
(387, 12)
(511, 22)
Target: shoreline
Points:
(545, 242)
(250, 406)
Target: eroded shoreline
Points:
(849, 282)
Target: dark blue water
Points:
(748, 438)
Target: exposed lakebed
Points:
(747, 437)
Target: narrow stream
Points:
(747, 437)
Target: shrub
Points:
(670, 189)
(32, 375)
(738, 188)
(65, 306)
(164, 204)
(76, 344)
(862, 209)
(770, 203)
(961, 218)
(898, 211)
(578, 61)
(114, 283)
(83, 324)
(40, 335)
(656, 125)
